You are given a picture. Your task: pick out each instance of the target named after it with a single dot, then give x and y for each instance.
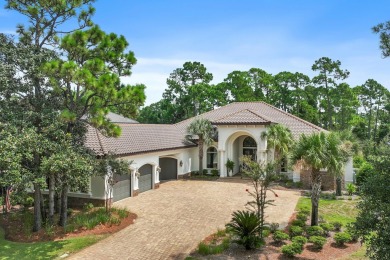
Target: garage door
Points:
(168, 169)
(122, 188)
(145, 178)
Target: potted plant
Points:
(229, 166)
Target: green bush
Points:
(327, 227)
(28, 202)
(341, 238)
(295, 231)
(273, 227)
(358, 161)
(304, 211)
(318, 241)
(314, 231)
(298, 184)
(283, 177)
(266, 232)
(337, 226)
(365, 170)
(215, 172)
(280, 236)
(205, 171)
(302, 217)
(246, 226)
(351, 189)
(328, 196)
(298, 222)
(87, 206)
(353, 232)
(292, 249)
(301, 240)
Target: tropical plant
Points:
(280, 139)
(261, 175)
(229, 166)
(318, 151)
(351, 189)
(247, 227)
(203, 129)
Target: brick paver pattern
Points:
(173, 219)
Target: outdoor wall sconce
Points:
(181, 163)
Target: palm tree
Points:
(205, 132)
(318, 151)
(280, 139)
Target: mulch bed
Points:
(14, 230)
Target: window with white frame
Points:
(212, 158)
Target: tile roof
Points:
(243, 117)
(115, 118)
(137, 138)
(263, 110)
(140, 138)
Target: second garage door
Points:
(122, 188)
(168, 169)
(145, 178)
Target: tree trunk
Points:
(338, 186)
(43, 209)
(37, 208)
(315, 195)
(51, 198)
(64, 206)
(200, 144)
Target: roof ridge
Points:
(261, 116)
(295, 117)
(249, 110)
(99, 140)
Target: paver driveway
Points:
(173, 219)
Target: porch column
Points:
(222, 166)
(134, 178)
(157, 175)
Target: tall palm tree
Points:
(280, 139)
(205, 132)
(318, 151)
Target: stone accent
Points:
(328, 180)
(135, 193)
(156, 185)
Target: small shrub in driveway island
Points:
(327, 227)
(292, 249)
(295, 231)
(301, 240)
(280, 236)
(318, 241)
(342, 238)
(315, 231)
(298, 222)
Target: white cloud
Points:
(4, 31)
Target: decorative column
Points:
(157, 170)
(222, 167)
(134, 179)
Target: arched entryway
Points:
(168, 169)
(249, 147)
(145, 181)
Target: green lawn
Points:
(44, 250)
(344, 211)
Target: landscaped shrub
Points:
(246, 226)
(352, 231)
(302, 217)
(295, 231)
(298, 222)
(341, 238)
(87, 206)
(314, 231)
(318, 241)
(205, 171)
(28, 202)
(301, 240)
(304, 211)
(273, 227)
(292, 249)
(337, 226)
(215, 172)
(280, 236)
(365, 170)
(266, 232)
(351, 189)
(283, 177)
(298, 184)
(327, 227)
(328, 196)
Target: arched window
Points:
(212, 158)
(249, 147)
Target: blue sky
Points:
(238, 35)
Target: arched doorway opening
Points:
(145, 181)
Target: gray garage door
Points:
(122, 188)
(145, 178)
(168, 169)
